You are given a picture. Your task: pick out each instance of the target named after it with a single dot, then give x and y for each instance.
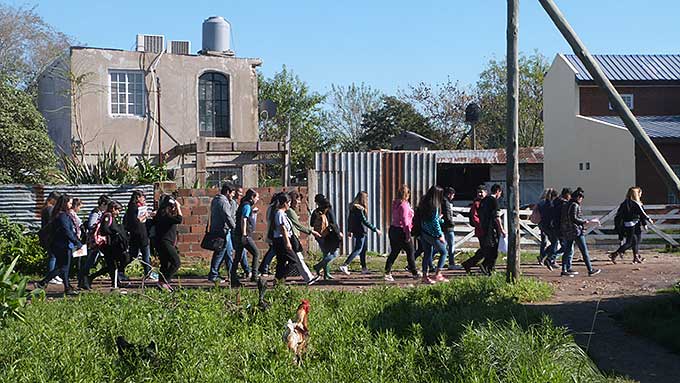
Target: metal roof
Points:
(654, 126)
(631, 67)
(488, 156)
(415, 135)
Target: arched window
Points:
(213, 105)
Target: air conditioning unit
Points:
(150, 43)
(180, 47)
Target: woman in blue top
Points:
(62, 242)
(357, 224)
(431, 233)
(242, 236)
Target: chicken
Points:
(296, 334)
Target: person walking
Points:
(448, 226)
(573, 229)
(490, 231)
(115, 250)
(281, 233)
(44, 233)
(630, 219)
(358, 222)
(323, 221)
(222, 222)
(93, 251)
(61, 241)
(298, 228)
(549, 240)
(270, 254)
(134, 222)
(431, 234)
(242, 237)
(400, 233)
(476, 225)
(165, 223)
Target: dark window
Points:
(213, 105)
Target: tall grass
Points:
(469, 330)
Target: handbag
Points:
(212, 241)
(295, 244)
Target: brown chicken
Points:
(297, 333)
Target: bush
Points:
(386, 334)
(17, 242)
(110, 167)
(13, 294)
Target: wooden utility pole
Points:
(615, 99)
(286, 158)
(512, 142)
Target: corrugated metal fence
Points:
(340, 176)
(22, 203)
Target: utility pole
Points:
(286, 161)
(615, 99)
(160, 130)
(512, 143)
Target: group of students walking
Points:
(64, 236)
(426, 230)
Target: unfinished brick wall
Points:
(196, 206)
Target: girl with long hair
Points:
(400, 233)
(165, 223)
(61, 243)
(358, 223)
(281, 234)
(630, 219)
(242, 236)
(115, 250)
(135, 223)
(573, 228)
(323, 221)
(431, 233)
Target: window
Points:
(127, 92)
(627, 99)
(213, 105)
(672, 198)
(218, 176)
(587, 165)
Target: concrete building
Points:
(94, 97)
(587, 145)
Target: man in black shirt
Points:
(490, 220)
(45, 215)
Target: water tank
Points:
(216, 34)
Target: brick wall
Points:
(196, 206)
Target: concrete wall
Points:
(571, 139)
(54, 101)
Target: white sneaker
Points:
(344, 269)
(365, 271)
(389, 278)
(56, 281)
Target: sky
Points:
(384, 44)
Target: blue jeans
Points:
(146, 256)
(580, 241)
(450, 246)
(360, 248)
(268, 258)
(433, 245)
(420, 250)
(51, 261)
(218, 257)
(329, 254)
(62, 258)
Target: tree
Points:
(391, 119)
(491, 93)
(296, 104)
(346, 106)
(26, 152)
(444, 106)
(27, 43)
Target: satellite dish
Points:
(267, 109)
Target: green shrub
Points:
(385, 334)
(148, 172)
(15, 242)
(13, 294)
(110, 167)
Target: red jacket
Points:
(474, 218)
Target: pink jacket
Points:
(402, 215)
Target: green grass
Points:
(657, 318)
(470, 330)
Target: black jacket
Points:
(630, 211)
(448, 216)
(572, 221)
(136, 228)
(63, 236)
(117, 236)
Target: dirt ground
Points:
(574, 305)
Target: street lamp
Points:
(472, 113)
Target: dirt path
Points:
(573, 306)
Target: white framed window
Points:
(127, 92)
(627, 99)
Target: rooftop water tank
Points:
(216, 34)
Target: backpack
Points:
(96, 239)
(535, 216)
(320, 222)
(417, 222)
